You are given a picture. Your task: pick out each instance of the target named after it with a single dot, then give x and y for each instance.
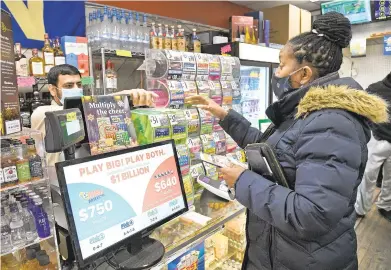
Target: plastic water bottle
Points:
(139, 36)
(124, 36)
(115, 41)
(29, 223)
(89, 27)
(146, 34)
(106, 29)
(132, 33)
(97, 29)
(18, 233)
(6, 244)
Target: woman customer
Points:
(320, 136)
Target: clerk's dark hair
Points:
(322, 47)
(64, 69)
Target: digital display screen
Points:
(114, 197)
(382, 10)
(71, 125)
(357, 11)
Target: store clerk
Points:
(65, 81)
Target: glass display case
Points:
(27, 225)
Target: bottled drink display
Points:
(116, 29)
(36, 64)
(20, 163)
(247, 38)
(160, 37)
(59, 56)
(153, 37)
(18, 233)
(35, 161)
(111, 78)
(6, 244)
(25, 217)
(36, 102)
(174, 41)
(48, 54)
(98, 79)
(21, 63)
(195, 45)
(242, 35)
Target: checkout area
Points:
(128, 209)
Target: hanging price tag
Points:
(155, 120)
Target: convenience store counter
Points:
(182, 234)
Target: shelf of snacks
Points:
(27, 223)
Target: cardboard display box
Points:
(240, 22)
(287, 21)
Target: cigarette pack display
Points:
(151, 126)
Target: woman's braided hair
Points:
(322, 47)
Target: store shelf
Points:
(37, 241)
(35, 182)
(119, 54)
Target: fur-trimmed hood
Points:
(329, 92)
(343, 97)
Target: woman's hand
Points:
(231, 174)
(140, 97)
(207, 104)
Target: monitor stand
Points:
(141, 253)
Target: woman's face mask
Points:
(281, 86)
(73, 92)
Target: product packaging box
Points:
(286, 22)
(258, 23)
(10, 113)
(76, 53)
(239, 22)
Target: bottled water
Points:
(124, 36)
(132, 33)
(146, 34)
(139, 36)
(97, 30)
(115, 41)
(29, 223)
(106, 29)
(89, 27)
(6, 244)
(18, 233)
